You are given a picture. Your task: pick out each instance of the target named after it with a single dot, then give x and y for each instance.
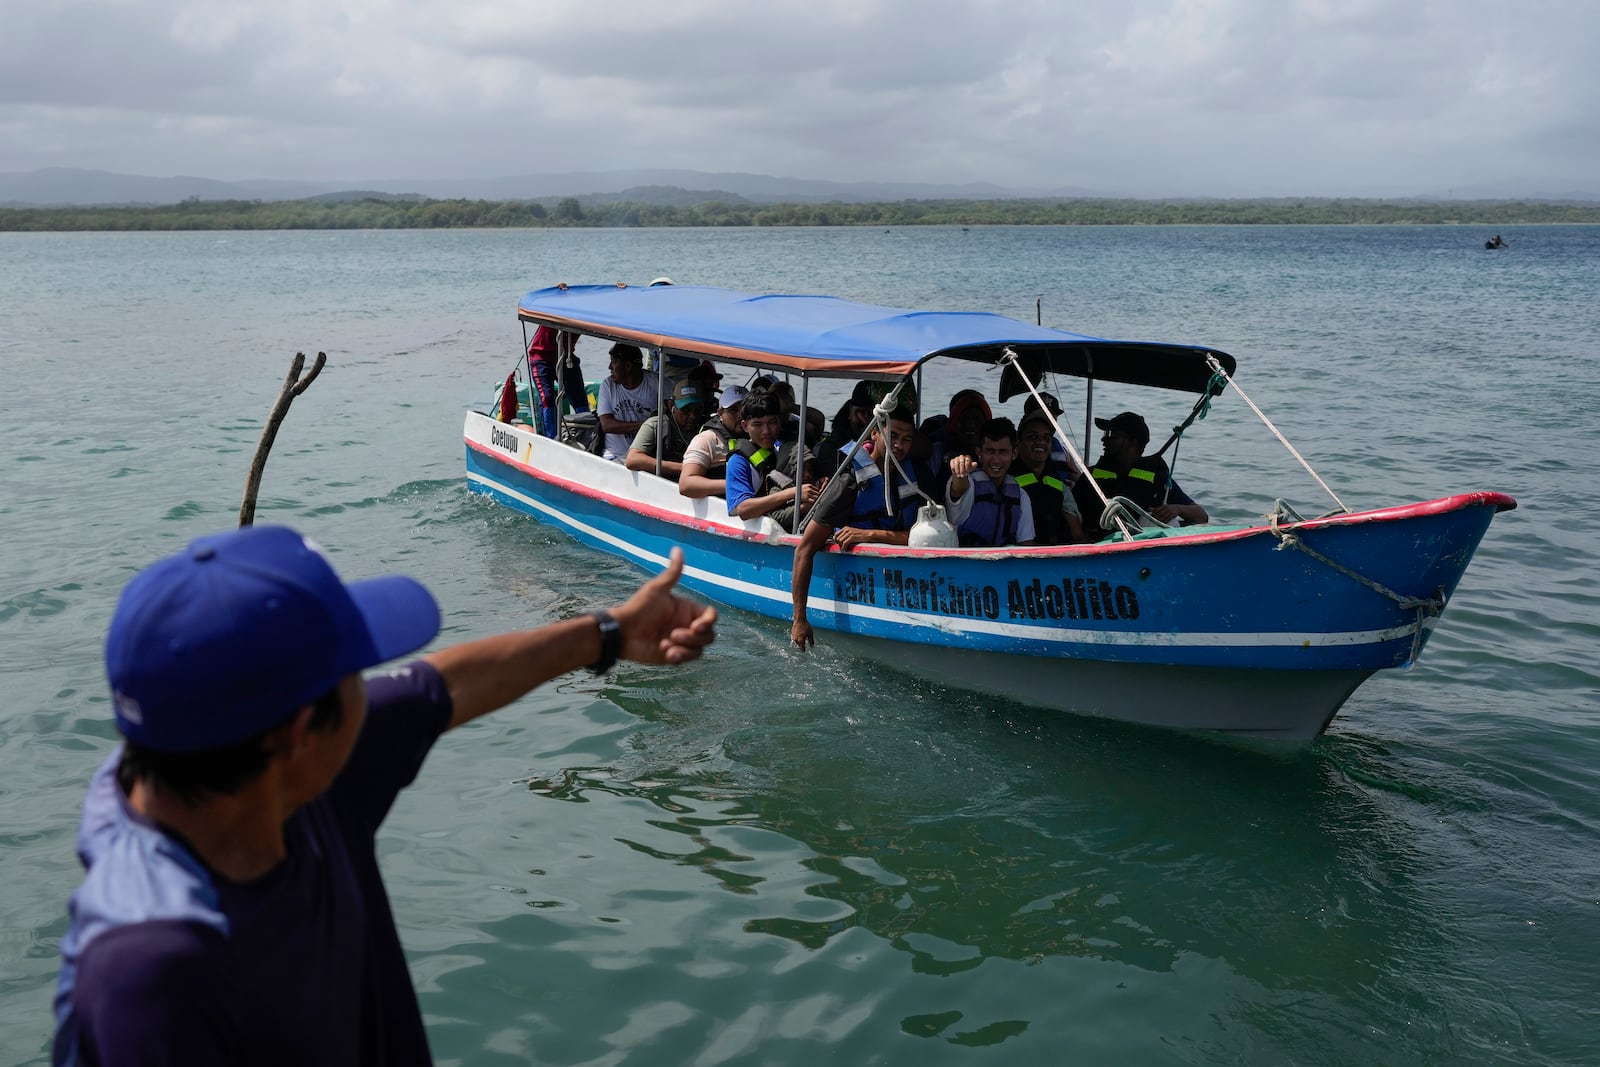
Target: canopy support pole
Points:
(661, 408)
(1010, 356)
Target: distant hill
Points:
(350, 195)
(66, 186)
(70, 187)
(665, 195)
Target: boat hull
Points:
(1250, 630)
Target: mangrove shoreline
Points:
(416, 213)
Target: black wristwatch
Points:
(610, 641)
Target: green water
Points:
(772, 858)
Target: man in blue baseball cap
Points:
(233, 911)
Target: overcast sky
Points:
(1135, 97)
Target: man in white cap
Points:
(232, 910)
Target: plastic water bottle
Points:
(932, 529)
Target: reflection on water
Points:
(961, 838)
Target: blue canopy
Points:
(831, 337)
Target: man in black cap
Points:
(1124, 470)
(232, 909)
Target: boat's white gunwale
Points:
(1052, 635)
(1204, 535)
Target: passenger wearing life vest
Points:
(987, 506)
(956, 434)
(705, 461)
(760, 476)
(1048, 483)
(1124, 470)
(851, 510)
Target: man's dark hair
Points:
(904, 413)
(1001, 429)
(762, 402)
(965, 396)
(627, 352)
(193, 776)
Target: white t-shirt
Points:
(629, 405)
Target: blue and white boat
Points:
(1262, 629)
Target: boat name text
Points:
(500, 439)
(1070, 598)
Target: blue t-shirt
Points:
(742, 480)
(166, 962)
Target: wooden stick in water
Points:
(293, 386)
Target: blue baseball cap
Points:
(230, 637)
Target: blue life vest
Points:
(868, 511)
(996, 510)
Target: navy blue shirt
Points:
(167, 962)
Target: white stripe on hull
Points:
(1052, 635)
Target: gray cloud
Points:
(1200, 97)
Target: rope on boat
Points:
(1120, 507)
(1425, 607)
(1116, 514)
(880, 417)
(1216, 368)
(1202, 408)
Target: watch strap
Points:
(610, 641)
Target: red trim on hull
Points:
(1443, 505)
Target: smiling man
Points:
(1048, 483)
(760, 476)
(232, 911)
(987, 506)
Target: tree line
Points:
(385, 214)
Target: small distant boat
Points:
(1260, 629)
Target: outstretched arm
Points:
(805, 553)
(658, 626)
